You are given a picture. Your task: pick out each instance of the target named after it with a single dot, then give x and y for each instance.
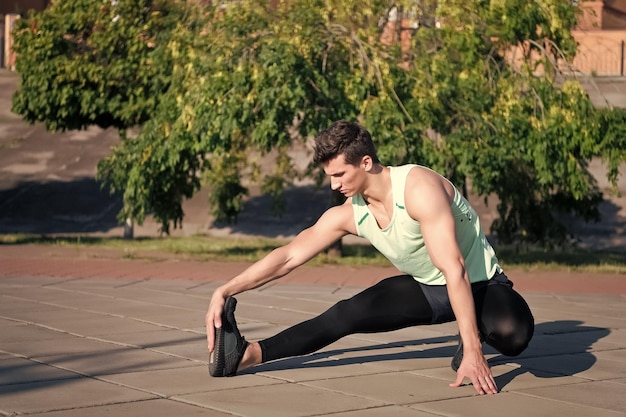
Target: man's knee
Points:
(511, 339)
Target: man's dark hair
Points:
(347, 138)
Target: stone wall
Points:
(600, 52)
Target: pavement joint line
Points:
(375, 407)
(373, 398)
(86, 407)
(119, 316)
(526, 394)
(97, 339)
(52, 284)
(201, 284)
(106, 296)
(207, 407)
(51, 410)
(130, 284)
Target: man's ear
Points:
(367, 163)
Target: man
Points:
(417, 219)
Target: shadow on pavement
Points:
(575, 355)
(303, 205)
(573, 358)
(77, 206)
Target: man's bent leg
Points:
(504, 319)
(392, 304)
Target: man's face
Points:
(345, 178)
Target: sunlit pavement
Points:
(89, 335)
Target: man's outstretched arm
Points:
(333, 225)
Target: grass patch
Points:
(205, 248)
(571, 260)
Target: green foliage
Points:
(478, 94)
(505, 119)
(227, 193)
(93, 62)
(253, 78)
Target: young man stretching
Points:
(420, 222)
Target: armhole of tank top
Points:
(399, 186)
(357, 212)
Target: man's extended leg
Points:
(392, 304)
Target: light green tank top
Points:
(403, 244)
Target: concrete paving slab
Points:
(64, 394)
(567, 343)
(196, 350)
(19, 309)
(399, 359)
(399, 388)
(259, 330)
(170, 318)
(155, 339)
(303, 305)
(250, 313)
(303, 370)
(618, 355)
(189, 380)
(511, 405)
(508, 377)
(117, 307)
(583, 365)
(23, 332)
(19, 370)
(294, 400)
(395, 411)
(604, 395)
(146, 295)
(35, 312)
(116, 361)
(65, 344)
(566, 325)
(101, 325)
(615, 338)
(23, 280)
(143, 408)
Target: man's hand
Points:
(474, 366)
(213, 318)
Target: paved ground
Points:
(94, 334)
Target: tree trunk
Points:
(129, 229)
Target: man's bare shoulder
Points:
(426, 191)
(423, 178)
(338, 218)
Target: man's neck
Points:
(378, 186)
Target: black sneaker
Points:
(458, 356)
(229, 344)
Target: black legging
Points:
(504, 319)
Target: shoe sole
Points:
(217, 358)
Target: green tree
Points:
(93, 62)
(255, 76)
(495, 84)
(253, 79)
(454, 99)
